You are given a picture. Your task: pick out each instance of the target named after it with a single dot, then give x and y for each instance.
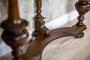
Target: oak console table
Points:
(15, 34)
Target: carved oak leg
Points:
(40, 28)
(82, 6)
(15, 33)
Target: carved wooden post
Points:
(40, 28)
(82, 6)
(15, 33)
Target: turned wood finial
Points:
(82, 6)
(40, 28)
(15, 34)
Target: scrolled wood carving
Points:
(34, 52)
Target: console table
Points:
(15, 34)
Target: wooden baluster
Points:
(40, 28)
(82, 6)
(15, 34)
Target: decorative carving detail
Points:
(15, 33)
(62, 32)
(40, 42)
(40, 28)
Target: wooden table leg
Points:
(40, 28)
(82, 6)
(15, 33)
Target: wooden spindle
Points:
(40, 28)
(13, 12)
(82, 6)
(15, 34)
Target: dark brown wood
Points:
(34, 51)
(15, 34)
(40, 28)
(82, 6)
(37, 46)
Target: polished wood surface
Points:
(34, 51)
(15, 33)
(82, 7)
(40, 28)
(37, 46)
